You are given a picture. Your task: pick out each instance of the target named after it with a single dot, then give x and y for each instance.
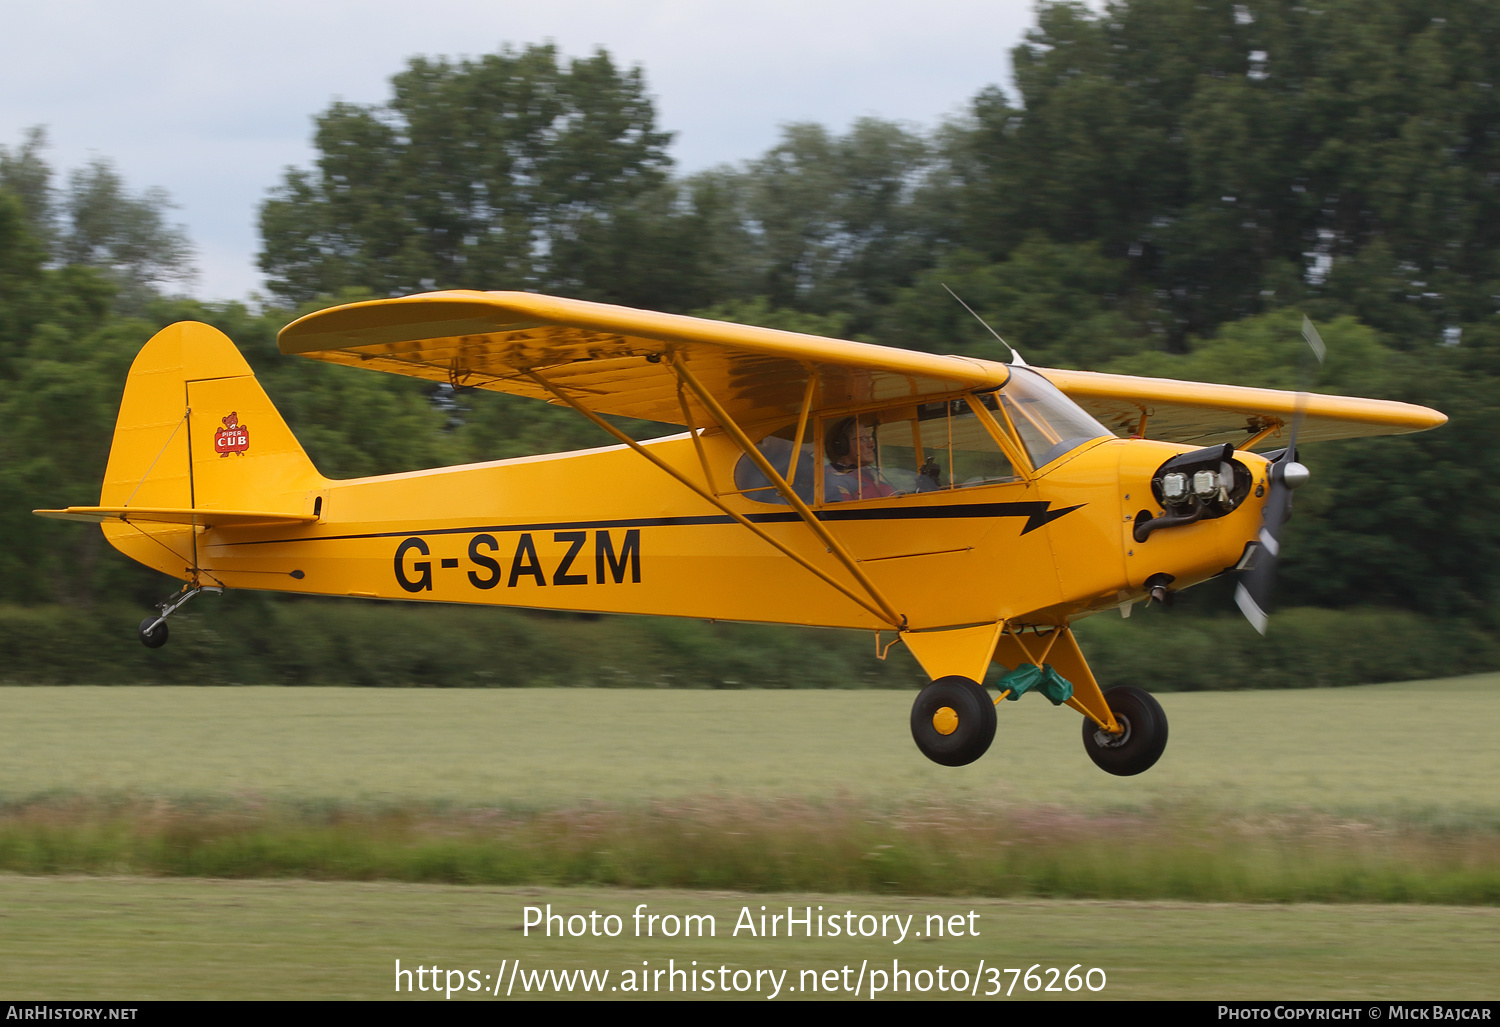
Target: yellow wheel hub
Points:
(945, 720)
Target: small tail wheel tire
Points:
(1144, 738)
(153, 638)
(953, 721)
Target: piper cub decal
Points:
(969, 509)
(233, 437)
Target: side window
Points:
(857, 451)
(912, 449)
(956, 439)
(973, 456)
(778, 449)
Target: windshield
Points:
(1049, 423)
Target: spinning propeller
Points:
(1253, 593)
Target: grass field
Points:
(1417, 747)
(1387, 791)
(136, 938)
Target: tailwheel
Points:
(153, 632)
(1136, 748)
(953, 721)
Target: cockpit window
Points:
(778, 448)
(925, 447)
(1050, 424)
(916, 448)
(900, 451)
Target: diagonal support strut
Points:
(883, 614)
(795, 501)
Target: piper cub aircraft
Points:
(969, 509)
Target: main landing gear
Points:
(1141, 742)
(953, 719)
(153, 630)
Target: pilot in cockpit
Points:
(853, 470)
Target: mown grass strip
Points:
(792, 845)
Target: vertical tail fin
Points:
(197, 436)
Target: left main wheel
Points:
(953, 721)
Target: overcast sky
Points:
(212, 101)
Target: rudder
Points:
(196, 431)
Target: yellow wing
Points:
(1204, 415)
(616, 360)
(611, 359)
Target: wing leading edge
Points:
(611, 360)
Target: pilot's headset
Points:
(839, 442)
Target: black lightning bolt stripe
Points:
(1036, 513)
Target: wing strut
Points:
(775, 478)
(687, 419)
(884, 614)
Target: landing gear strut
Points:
(153, 630)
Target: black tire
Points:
(154, 638)
(975, 728)
(1144, 739)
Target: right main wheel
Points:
(1140, 745)
(953, 721)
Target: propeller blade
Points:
(1304, 374)
(1314, 340)
(1253, 593)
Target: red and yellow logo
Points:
(233, 437)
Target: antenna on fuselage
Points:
(1015, 357)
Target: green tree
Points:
(505, 172)
(27, 176)
(21, 281)
(839, 223)
(675, 247)
(97, 221)
(125, 235)
(1242, 155)
(1062, 304)
(57, 417)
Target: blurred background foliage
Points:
(1166, 188)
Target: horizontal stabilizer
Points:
(161, 515)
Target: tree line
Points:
(1165, 189)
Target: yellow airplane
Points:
(969, 509)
